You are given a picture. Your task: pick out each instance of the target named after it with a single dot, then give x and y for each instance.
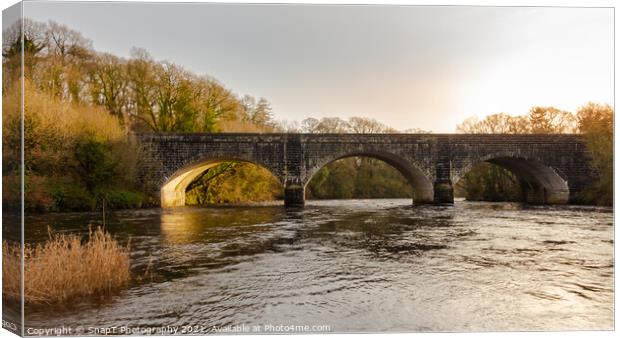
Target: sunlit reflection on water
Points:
(357, 265)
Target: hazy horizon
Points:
(421, 67)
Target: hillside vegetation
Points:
(82, 107)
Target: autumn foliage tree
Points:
(68, 80)
(595, 122)
(493, 183)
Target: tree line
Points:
(595, 121)
(82, 107)
(80, 111)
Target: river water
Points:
(351, 266)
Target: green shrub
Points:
(123, 199)
(68, 196)
(96, 165)
(489, 182)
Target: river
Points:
(351, 266)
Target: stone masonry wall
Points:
(550, 165)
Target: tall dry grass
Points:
(11, 272)
(64, 267)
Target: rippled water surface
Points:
(355, 265)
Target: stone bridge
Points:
(552, 169)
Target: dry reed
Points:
(64, 268)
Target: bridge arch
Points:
(552, 166)
(173, 188)
(421, 185)
(541, 183)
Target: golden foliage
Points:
(52, 127)
(595, 122)
(65, 120)
(53, 131)
(234, 182)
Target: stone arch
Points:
(541, 183)
(172, 191)
(420, 182)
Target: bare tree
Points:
(108, 84)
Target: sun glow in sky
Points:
(406, 66)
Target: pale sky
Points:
(406, 66)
